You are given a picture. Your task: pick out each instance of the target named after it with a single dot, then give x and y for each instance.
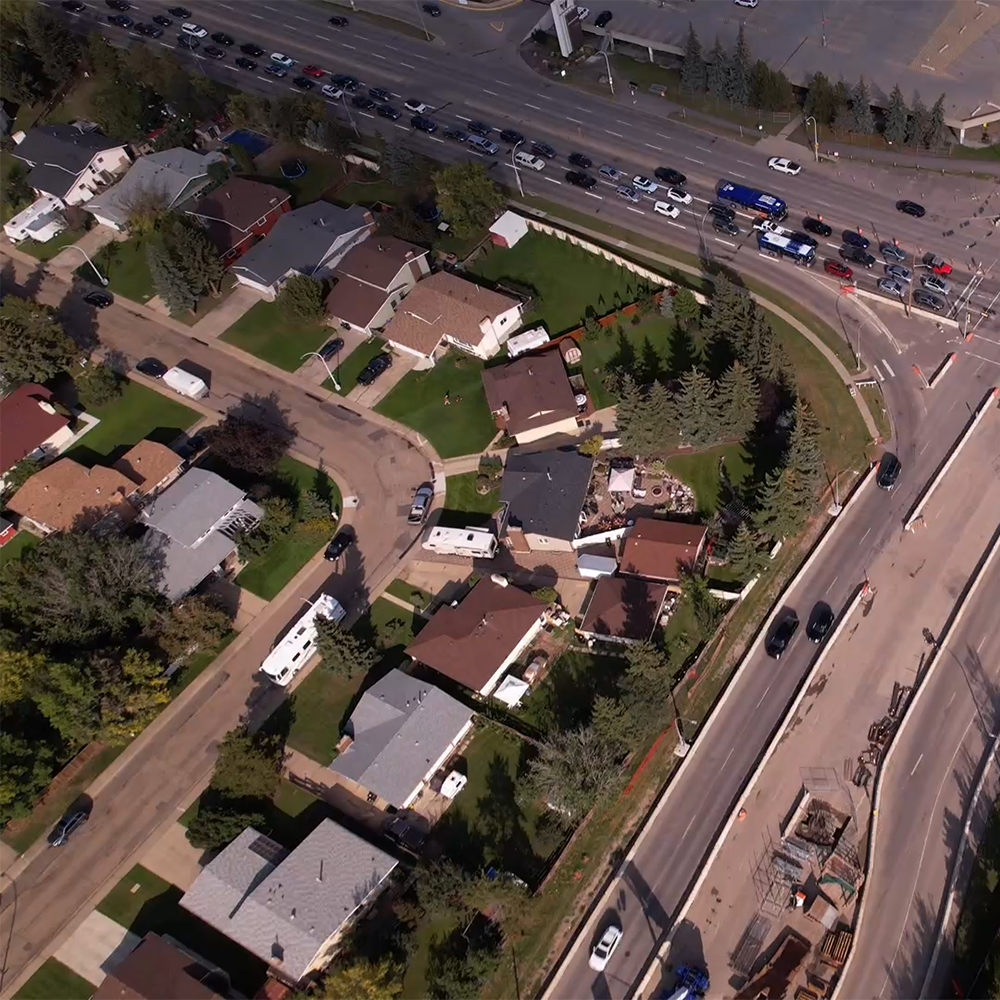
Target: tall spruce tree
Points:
(862, 120)
(804, 459)
(717, 71)
(919, 124)
(737, 399)
(820, 101)
(757, 347)
(693, 76)
(896, 118)
(738, 77)
(777, 515)
(937, 132)
(745, 555)
(170, 282)
(697, 409)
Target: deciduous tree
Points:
(28, 767)
(218, 824)
(573, 770)
(55, 46)
(196, 622)
(98, 385)
(343, 653)
(68, 696)
(398, 163)
(247, 444)
(362, 979)
(468, 197)
(18, 671)
(133, 692)
(19, 475)
(249, 764)
(35, 346)
(301, 297)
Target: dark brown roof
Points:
(25, 423)
(624, 607)
(148, 463)
(230, 211)
(470, 643)
(661, 550)
(354, 301)
(534, 391)
(377, 261)
(156, 970)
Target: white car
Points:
(334, 93)
(679, 195)
(644, 184)
(665, 208)
(421, 504)
(196, 30)
(281, 59)
(605, 948)
(529, 161)
(745, 3)
(783, 165)
(582, 13)
(417, 107)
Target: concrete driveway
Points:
(96, 947)
(241, 300)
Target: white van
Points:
(185, 383)
(482, 145)
(195, 30)
(529, 161)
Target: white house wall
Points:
(529, 637)
(437, 764)
(565, 426)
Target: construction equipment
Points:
(691, 982)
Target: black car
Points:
(245, 63)
(820, 228)
(511, 136)
(432, 8)
(331, 348)
(65, 828)
(820, 622)
(178, 11)
(456, 134)
(727, 226)
(363, 102)
(804, 238)
(670, 176)
(148, 30)
(223, 39)
(304, 83)
(782, 635)
(911, 208)
(543, 149)
(151, 367)
(603, 19)
(188, 42)
(928, 300)
(380, 94)
(252, 50)
(857, 256)
(338, 22)
(214, 52)
(121, 5)
(890, 251)
(162, 20)
(273, 69)
(721, 211)
(581, 179)
(345, 82)
(422, 124)
(388, 111)
(854, 239)
(99, 300)
(339, 546)
(480, 128)
(73, 6)
(122, 20)
(374, 368)
(888, 471)
(581, 161)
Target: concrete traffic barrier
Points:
(955, 452)
(942, 368)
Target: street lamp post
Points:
(316, 354)
(423, 23)
(513, 163)
(857, 353)
(611, 82)
(815, 138)
(100, 277)
(350, 117)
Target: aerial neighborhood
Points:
(482, 561)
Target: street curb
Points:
(914, 310)
(699, 739)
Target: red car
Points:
(937, 264)
(313, 71)
(838, 270)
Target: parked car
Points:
(665, 208)
(855, 239)
(601, 953)
(195, 30)
(148, 30)
(937, 264)
(455, 134)
(644, 184)
(341, 543)
(721, 211)
(282, 60)
(379, 364)
(331, 348)
(891, 287)
(817, 226)
(223, 39)
(780, 638)
(511, 136)
(417, 107)
(162, 20)
(334, 93)
(66, 827)
(388, 111)
(120, 20)
(838, 270)
(581, 179)
(422, 124)
(581, 161)
(628, 193)
(99, 300)
(151, 368)
(421, 505)
(363, 102)
(178, 11)
(890, 251)
(304, 83)
(899, 272)
(936, 284)
(612, 173)
(908, 207)
(857, 256)
(273, 69)
(543, 149)
(678, 195)
(214, 52)
(480, 128)
(431, 8)
(784, 165)
(820, 622)
(244, 63)
(928, 300)
(727, 226)
(670, 176)
(888, 471)
(252, 50)
(603, 19)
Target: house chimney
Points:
(228, 196)
(45, 405)
(319, 878)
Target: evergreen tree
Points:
(717, 71)
(699, 413)
(745, 556)
(344, 654)
(896, 118)
(737, 401)
(693, 73)
(399, 163)
(195, 255)
(738, 76)
(777, 516)
(661, 415)
(170, 282)
(937, 131)
(862, 120)
(919, 124)
(820, 101)
(804, 459)
(756, 345)
(843, 119)
(687, 309)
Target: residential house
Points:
(402, 730)
(31, 426)
(544, 492)
(194, 526)
(239, 214)
(67, 496)
(162, 180)
(70, 163)
(372, 280)
(41, 221)
(289, 908)
(531, 397)
(151, 466)
(311, 240)
(623, 609)
(7, 532)
(445, 307)
(656, 549)
(159, 970)
(475, 642)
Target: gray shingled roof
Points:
(300, 241)
(182, 568)
(59, 154)
(546, 490)
(283, 906)
(400, 728)
(192, 506)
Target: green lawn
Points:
(702, 473)
(347, 371)
(465, 426)
(464, 507)
(138, 413)
(46, 251)
(420, 599)
(389, 23)
(153, 906)
(55, 981)
(266, 332)
(197, 664)
(126, 267)
(14, 549)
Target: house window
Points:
(261, 221)
(230, 254)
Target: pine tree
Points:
(687, 309)
(693, 72)
(862, 120)
(757, 347)
(661, 416)
(937, 132)
(745, 556)
(820, 100)
(843, 119)
(919, 124)
(737, 399)
(170, 282)
(738, 77)
(699, 414)
(195, 255)
(896, 117)
(777, 516)
(804, 459)
(717, 71)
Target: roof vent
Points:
(500, 580)
(46, 406)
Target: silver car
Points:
(421, 505)
(891, 287)
(899, 272)
(936, 284)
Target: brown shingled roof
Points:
(470, 643)
(534, 391)
(148, 463)
(444, 305)
(661, 550)
(156, 970)
(230, 210)
(354, 301)
(25, 423)
(377, 261)
(66, 495)
(624, 608)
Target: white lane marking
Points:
(892, 374)
(275, 9)
(377, 56)
(326, 38)
(407, 65)
(259, 16)
(492, 93)
(728, 244)
(767, 256)
(551, 180)
(266, 79)
(638, 211)
(677, 224)
(167, 45)
(227, 6)
(365, 113)
(981, 641)
(704, 201)
(544, 97)
(734, 174)
(704, 149)
(731, 752)
(590, 194)
(981, 358)
(915, 766)
(746, 163)
(234, 69)
(662, 136)
(391, 47)
(354, 48)
(503, 83)
(687, 829)
(649, 145)
(405, 128)
(623, 122)
(534, 107)
(866, 534)
(692, 160)
(825, 204)
(878, 374)
(950, 700)
(463, 118)
(836, 246)
(617, 135)
(299, 17)
(417, 55)
(577, 120)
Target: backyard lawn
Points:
(138, 413)
(464, 506)
(347, 371)
(55, 981)
(266, 332)
(419, 598)
(465, 426)
(703, 474)
(322, 172)
(46, 251)
(14, 549)
(126, 267)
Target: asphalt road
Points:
(927, 789)
(174, 756)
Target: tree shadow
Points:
(79, 320)
(502, 822)
(650, 365)
(624, 357)
(683, 353)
